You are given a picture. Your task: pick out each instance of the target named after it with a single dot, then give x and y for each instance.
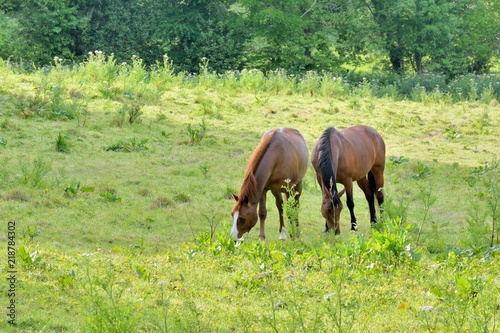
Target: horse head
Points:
(244, 216)
(330, 209)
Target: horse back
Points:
(286, 158)
(363, 149)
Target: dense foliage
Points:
(442, 36)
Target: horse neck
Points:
(258, 171)
(254, 183)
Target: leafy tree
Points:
(185, 30)
(124, 28)
(302, 35)
(10, 39)
(192, 29)
(477, 41)
(448, 36)
(45, 26)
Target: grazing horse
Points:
(281, 155)
(353, 154)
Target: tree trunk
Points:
(418, 63)
(397, 60)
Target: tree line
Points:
(450, 37)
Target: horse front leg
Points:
(262, 216)
(350, 205)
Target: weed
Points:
(31, 232)
(398, 160)
(473, 94)
(120, 118)
(395, 207)
(261, 101)
(206, 78)
(134, 113)
(110, 196)
(61, 143)
(204, 168)
(310, 83)
(27, 259)
(452, 133)
(421, 171)
(418, 93)
(212, 221)
(3, 142)
(82, 117)
(35, 175)
(488, 95)
(354, 103)
(73, 190)
(291, 209)
(196, 134)
(487, 179)
(483, 123)
(161, 116)
(478, 229)
(109, 310)
(427, 199)
(340, 308)
(278, 81)
(128, 146)
(392, 244)
(66, 281)
(29, 106)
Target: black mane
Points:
(326, 166)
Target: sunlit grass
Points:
(148, 248)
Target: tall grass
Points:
(134, 79)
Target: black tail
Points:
(325, 164)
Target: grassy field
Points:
(119, 181)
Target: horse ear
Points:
(235, 197)
(245, 199)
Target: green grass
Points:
(137, 238)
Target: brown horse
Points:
(281, 154)
(353, 154)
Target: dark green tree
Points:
(190, 30)
(45, 27)
(448, 36)
(302, 35)
(123, 28)
(477, 41)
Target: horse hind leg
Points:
(279, 205)
(365, 186)
(378, 185)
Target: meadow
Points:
(115, 200)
